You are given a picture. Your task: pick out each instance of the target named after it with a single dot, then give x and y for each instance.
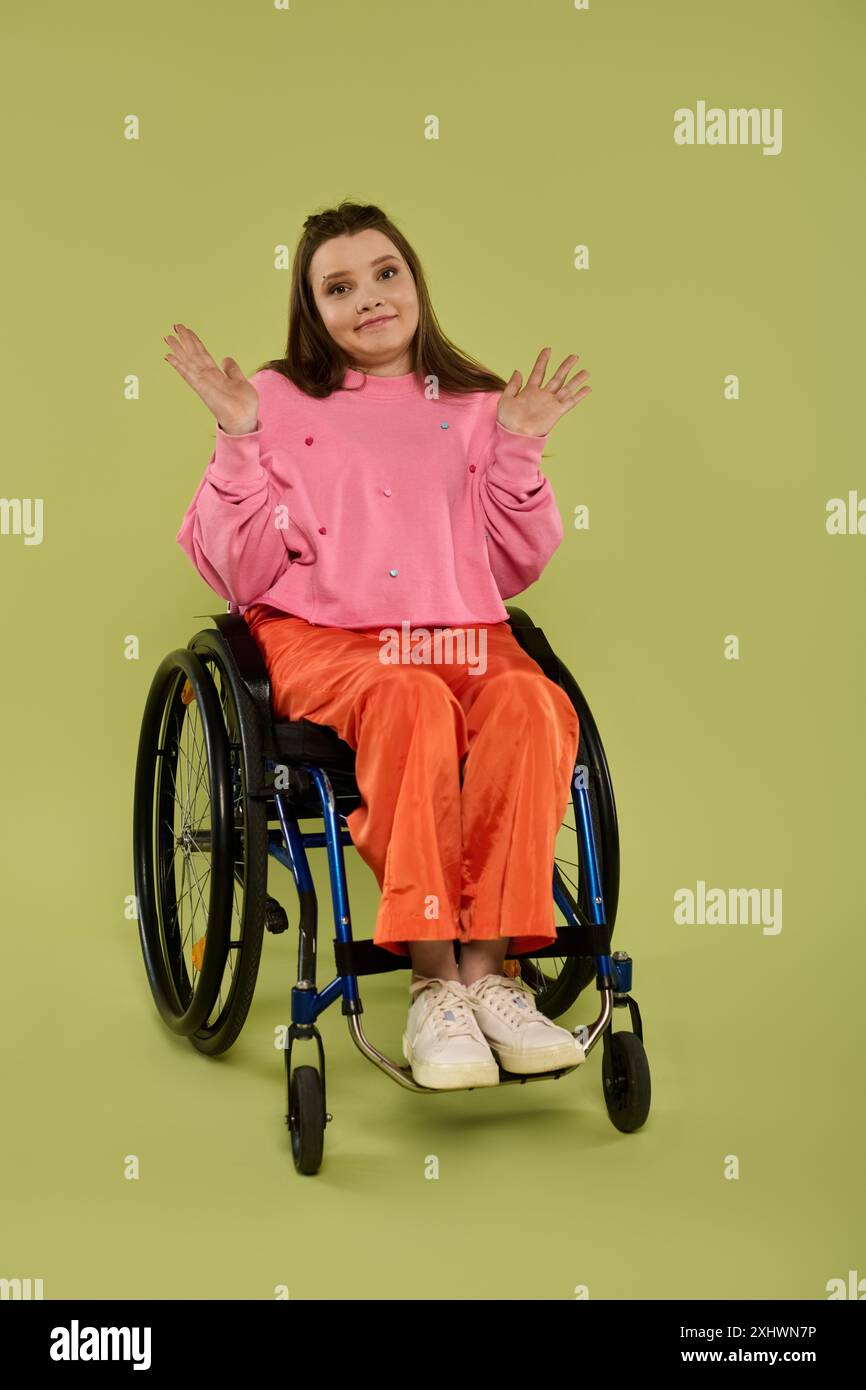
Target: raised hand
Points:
(535, 409)
(226, 392)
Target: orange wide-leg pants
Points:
(464, 777)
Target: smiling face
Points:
(361, 277)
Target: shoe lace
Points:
(510, 998)
(452, 1008)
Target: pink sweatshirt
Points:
(373, 506)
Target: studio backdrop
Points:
(671, 191)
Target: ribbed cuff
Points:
(518, 455)
(237, 457)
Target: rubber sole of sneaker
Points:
(450, 1076)
(538, 1059)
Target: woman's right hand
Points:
(226, 392)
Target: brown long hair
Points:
(316, 364)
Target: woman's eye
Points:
(391, 268)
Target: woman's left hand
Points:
(535, 409)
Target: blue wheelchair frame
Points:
(613, 975)
(306, 1007)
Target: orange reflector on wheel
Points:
(198, 952)
(187, 694)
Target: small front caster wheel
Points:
(306, 1119)
(626, 1077)
(276, 920)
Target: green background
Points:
(707, 518)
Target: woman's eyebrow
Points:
(337, 274)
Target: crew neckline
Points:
(382, 388)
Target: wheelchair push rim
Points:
(557, 981)
(183, 842)
(249, 868)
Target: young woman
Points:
(376, 480)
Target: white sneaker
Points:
(523, 1039)
(442, 1042)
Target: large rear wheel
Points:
(250, 851)
(557, 981)
(183, 842)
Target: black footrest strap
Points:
(366, 958)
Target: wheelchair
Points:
(220, 788)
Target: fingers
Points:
(178, 358)
(572, 389)
(179, 368)
(569, 402)
(190, 340)
(558, 378)
(189, 357)
(536, 376)
(195, 345)
(190, 349)
(182, 347)
(557, 382)
(233, 369)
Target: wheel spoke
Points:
(549, 976)
(187, 863)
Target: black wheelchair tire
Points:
(554, 995)
(626, 1080)
(157, 756)
(306, 1119)
(250, 870)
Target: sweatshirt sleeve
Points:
(237, 530)
(522, 519)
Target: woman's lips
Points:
(374, 323)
